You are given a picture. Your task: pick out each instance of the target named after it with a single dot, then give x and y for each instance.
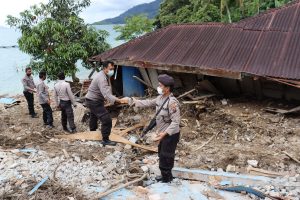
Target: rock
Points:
(237, 145)
(17, 129)
(224, 102)
(293, 193)
(269, 187)
(154, 197)
(137, 117)
(274, 194)
(253, 163)
(231, 168)
(142, 190)
(127, 146)
(297, 177)
(76, 158)
(145, 168)
(292, 179)
(220, 170)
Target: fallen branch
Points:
(292, 157)
(215, 135)
(121, 186)
(262, 172)
(186, 93)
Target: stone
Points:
(253, 163)
(292, 179)
(17, 129)
(297, 178)
(220, 170)
(293, 193)
(154, 197)
(127, 146)
(231, 168)
(142, 190)
(145, 168)
(224, 102)
(137, 118)
(274, 194)
(77, 159)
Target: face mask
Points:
(159, 90)
(111, 73)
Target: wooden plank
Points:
(282, 111)
(145, 75)
(262, 172)
(125, 132)
(95, 135)
(145, 83)
(292, 157)
(212, 176)
(275, 110)
(114, 122)
(153, 77)
(186, 93)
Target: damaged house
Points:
(258, 56)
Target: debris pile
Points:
(85, 175)
(217, 135)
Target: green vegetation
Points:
(183, 11)
(134, 27)
(56, 37)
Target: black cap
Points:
(166, 80)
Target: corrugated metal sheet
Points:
(265, 45)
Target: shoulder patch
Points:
(173, 107)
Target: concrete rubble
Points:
(247, 136)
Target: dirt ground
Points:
(244, 131)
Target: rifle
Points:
(152, 123)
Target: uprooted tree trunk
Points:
(75, 78)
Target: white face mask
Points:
(159, 90)
(111, 73)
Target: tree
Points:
(134, 27)
(227, 11)
(56, 37)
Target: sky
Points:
(98, 10)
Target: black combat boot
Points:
(106, 141)
(158, 178)
(167, 176)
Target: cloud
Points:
(98, 10)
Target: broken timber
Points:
(139, 125)
(262, 172)
(209, 176)
(95, 135)
(282, 111)
(122, 186)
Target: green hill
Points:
(150, 9)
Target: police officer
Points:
(29, 89)
(64, 99)
(99, 90)
(167, 122)
(44, 99)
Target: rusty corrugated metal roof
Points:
(266, 45)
